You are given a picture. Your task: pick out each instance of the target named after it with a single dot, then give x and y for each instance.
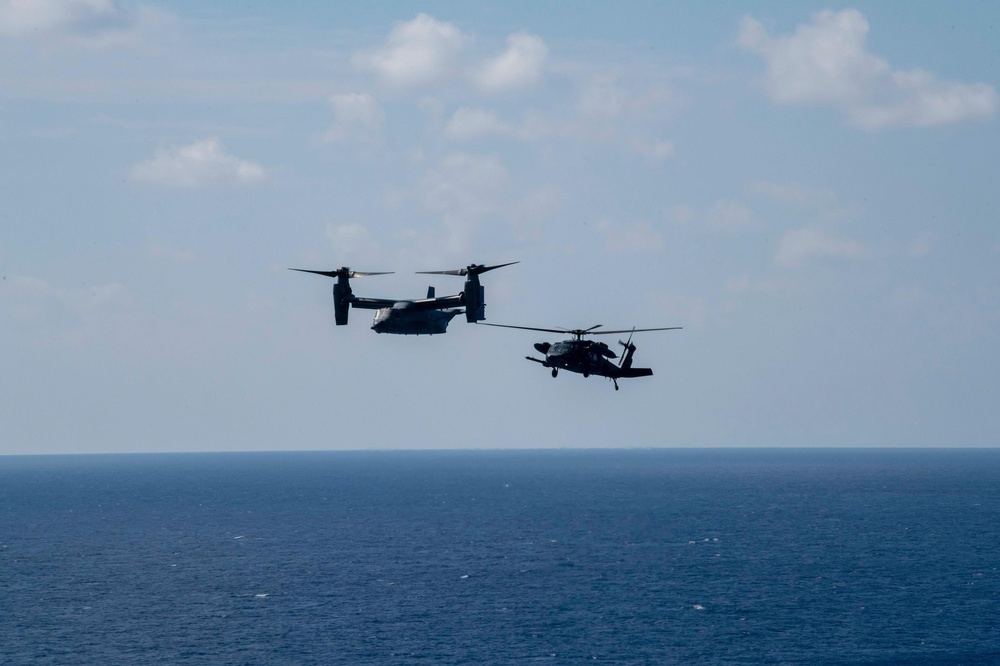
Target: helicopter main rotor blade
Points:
(581, 332)
(636, 330)
(524, 328)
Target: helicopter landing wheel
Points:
(555, 372)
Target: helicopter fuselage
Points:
(587, 357)
(583, 356)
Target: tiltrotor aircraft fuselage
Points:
(424, 316)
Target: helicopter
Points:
(423, 316)
(588, 357)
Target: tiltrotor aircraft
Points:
(423, 316)
(589, 357)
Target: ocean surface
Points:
(502, 557)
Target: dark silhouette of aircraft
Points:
(422, 316)
(589, 357)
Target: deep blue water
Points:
(626, 557)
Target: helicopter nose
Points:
(543, 347)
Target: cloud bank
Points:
(827, 62)
(197, 165)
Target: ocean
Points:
(758, 556)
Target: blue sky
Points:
(808, 189)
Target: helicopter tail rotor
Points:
(626, 361)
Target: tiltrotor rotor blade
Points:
(471, 269)
(341, 272)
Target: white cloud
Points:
(800, 246)
(464, 189)
(351, 241)
(357, 117)
(166, 252)
(692, 311)
(821, 204)
(29, 298)
(468, 123)
(657, 150)
(918, 99)
(922, 246)
(684, 214)
(822, 62)
(91, 23)
(200, 164)
(750, 284)
(31, 17)
(730, 215)
(520, 66)
(639, 237)
(537, 206)
(466, 182)
(826, 62)
(790, 194)
(422, 52)
(602, 98)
